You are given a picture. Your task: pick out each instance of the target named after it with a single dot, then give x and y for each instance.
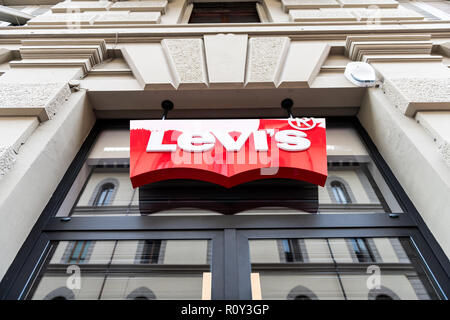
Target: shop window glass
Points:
(354, 186)
(330, 271)
(114, 272)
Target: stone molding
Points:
(265, 60)
(71, 20)
(82, 6)
(368, 3)
(317, 4)
(155, 5)
(73, 13)
(410, 95)
(226, 55)
(14, 131)
(373, 48)
(225, 61)
(7, 159)
(132, 5)
(439, 130)
(32, 99)
(353, 14)
(84, 53)
(186, 61)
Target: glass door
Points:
(153, 265)
(329, 265)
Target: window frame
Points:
(229, 231)
(261, 11)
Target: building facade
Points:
(74, 73)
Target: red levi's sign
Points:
(228, 152)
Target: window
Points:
(150, 251)
(302, 297)
(291, 249)
(340, 192)
(79, 252)
(383, 297)
(361, 250)
(224, 12)
(104, 195)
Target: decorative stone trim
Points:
(82, 6)
(321, 15)
(72, 20)
(386, 14)
(32, 99)
(265, 61)
(63, 53)
(308, 4)
(94, 50)
(368, 3)
(226, 57)
(411, 95)
(402, 58)
(437, 131)
(126, 17)
(84, 64)
(7, 159)
(155, 5)
(186, 61)
(358, 47)
(353, 14)
(444, 151)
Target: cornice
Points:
(124, 34)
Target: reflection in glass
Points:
(338, 268)
(104, 196)
(136, 269)
(354, 184)
(340, 193)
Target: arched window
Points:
(301, 293)
(141, 293)
(104, 195)
(382, 293)
(383, 297)
(340, 192)
(61, 293)
(302, 297)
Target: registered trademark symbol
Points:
(302, 123)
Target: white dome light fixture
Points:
(361, 74)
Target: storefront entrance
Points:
(357, 237)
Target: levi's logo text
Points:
(228, 152)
